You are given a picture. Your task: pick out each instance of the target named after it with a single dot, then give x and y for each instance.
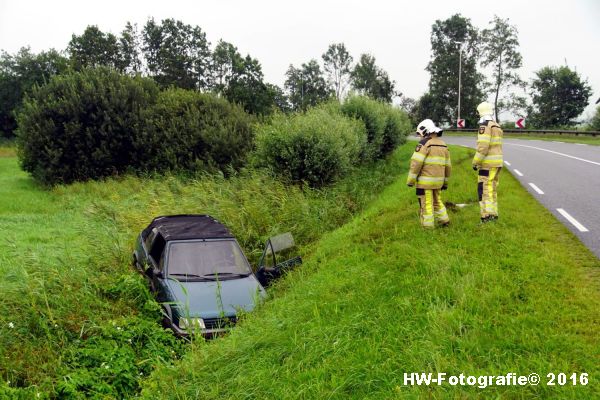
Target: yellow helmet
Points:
(485, 108)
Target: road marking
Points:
(555, 152)
(537, 189)
(507, 163)
(556, 141)
(518, 172)
(572, 220)
(580, 144)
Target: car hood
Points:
(204, 299)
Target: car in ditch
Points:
(199, 274)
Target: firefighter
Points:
(488, 162)
(429, 170)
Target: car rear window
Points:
(207, 257)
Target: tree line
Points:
(175, 54)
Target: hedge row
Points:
(321, 145)
(97, 122)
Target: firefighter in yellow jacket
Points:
(429, 170)
(488, 161)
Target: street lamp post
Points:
(459, 78)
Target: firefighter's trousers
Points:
(487, 184)
(432, 207)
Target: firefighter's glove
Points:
(475, 167)
(444, 187)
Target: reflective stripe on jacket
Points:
(489, 145)
(430, 164)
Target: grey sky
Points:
(278, 33)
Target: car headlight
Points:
(191, 323)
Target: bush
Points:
(595, 122)
(190, 131)
(97, 122)
(386, 127)
(83, 125)
(317, 147)
(397, 127)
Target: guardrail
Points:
(536, 131)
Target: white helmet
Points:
(485, 108)
(427, 127)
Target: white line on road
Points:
(507, 163)
(556, 141)
(555, 152)
(518, 172)
(580, 144)
(537, 189)
(572, 220)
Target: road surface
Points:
(564, 177)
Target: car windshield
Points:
(207, 259)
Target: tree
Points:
(409, 106)
(240, 79)
(19, 73)
(428, 107)
(280, 100)
(177, 54)
(500, 51)
(225, 58)
(95, 48)
(446, 39)
(559, 96)
(372, 81)
(247, 88)
(337, 62)
(306, 86)
(130, 47)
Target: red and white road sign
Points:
(520, 123)
(460, 123)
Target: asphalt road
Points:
(564, 177)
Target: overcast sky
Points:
(280, 33)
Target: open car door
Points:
(276, 248)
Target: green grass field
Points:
(587, 139)
(75, 319)
(381, 297)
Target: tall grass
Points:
(75, 319)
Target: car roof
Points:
(187, 226)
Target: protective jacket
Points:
(489, 146)
(430, 165)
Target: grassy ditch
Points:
(75, 319)
(381, 296)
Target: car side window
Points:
(268, 257)
(158, 247)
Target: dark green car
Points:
(199, 273)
